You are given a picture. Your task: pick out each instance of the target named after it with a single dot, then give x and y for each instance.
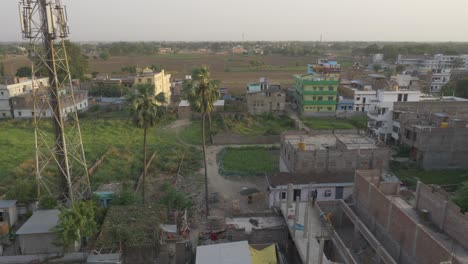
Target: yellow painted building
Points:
(160, 81)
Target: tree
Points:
(376, 68)
(2, 69)
(146, 111)
(461, 197)
(24, 72)
(400, 68)
(77, 62)
(104, 55)
(458, 63)
(76, 223)
(173, 199)
(203, 92)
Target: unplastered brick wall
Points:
(443, 213)
(377, 209)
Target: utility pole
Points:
(61, 168)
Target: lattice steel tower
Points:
(61, 168)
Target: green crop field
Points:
(328, 123)
(248, 161)
(99, 134)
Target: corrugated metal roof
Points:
(42, 221)
(7, 203)
(226, 253)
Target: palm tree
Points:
(146, 111)
(202, 94)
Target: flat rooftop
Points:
(41, 222)
(263, 222)
(326, 141)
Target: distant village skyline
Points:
(301, 20)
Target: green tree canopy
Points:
(24, 72)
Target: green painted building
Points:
(316, 94)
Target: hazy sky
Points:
(200, 20)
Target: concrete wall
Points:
(403, 238)
(265, 102)
(334, 160)
(443, 213)
(38, 244)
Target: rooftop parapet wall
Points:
(442, 212)
(398, 226)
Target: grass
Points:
(99, 134)
(328, 123)
(411, 174)
(266, 68)
(239, 124)
(248, 161)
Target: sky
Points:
(273, 20)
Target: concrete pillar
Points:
(444, 213)
(415, 239)
(289, 194)
(418, 190)
(306, 221)
(296, 216)
(308, 250)
(389, 214)
(320, 255)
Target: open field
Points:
(248, 161)
(233, 70)
(247, 125)
(99, 134)
(410, 176)
(329, 123)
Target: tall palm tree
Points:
(146, 110)
(202, 94)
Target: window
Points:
(139, 80)
(279, 95)
(283, 195)
(32, 113)
(320, 98)
(19, 113)
(3, 115)
(396, 129)
(400, 97)
(405, 98)
(327, 193)
(330, 88)
(358, 98)
(329, 108)
(330, 98)
(321, 88)
(363, 100)
(1, 93)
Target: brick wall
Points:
(443, 213)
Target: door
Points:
(297, 192)
(339, 193)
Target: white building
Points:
(23, 105)
(14, 86)
(329, 186)
(381, 111)
(438, 79)
(361, 92)
(438, 61)
(377, 58)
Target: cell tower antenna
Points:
(61, 168)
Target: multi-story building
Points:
(381, 111)
(266, 101)
(327, 152)
(160, 81)
(438, 78)
(316, 94)
(435, 130)
(360, 92)
(438, 61)
(14, 86)
(324, 66)
(263, 84)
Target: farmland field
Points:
(248, 161)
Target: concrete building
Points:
(36, 235)
(236, 253)
(329, 186)
(436, 132)
(316, 94)
(324, 66)
(345, 104)
(361, 92)
(381, 226)
(159, 80)
(23, 105)
(438, 78)
(8, 215)
(263, 84)
(327, 152)
(266, 101)
(438, 61)
(406, 82)
(380, 111)
(377, 58)
(184, 110)
(14, 86)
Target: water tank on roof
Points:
(301, 146)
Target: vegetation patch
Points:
(410, 175)
(248, 161)
(329, 123)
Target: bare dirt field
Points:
(233, 70)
